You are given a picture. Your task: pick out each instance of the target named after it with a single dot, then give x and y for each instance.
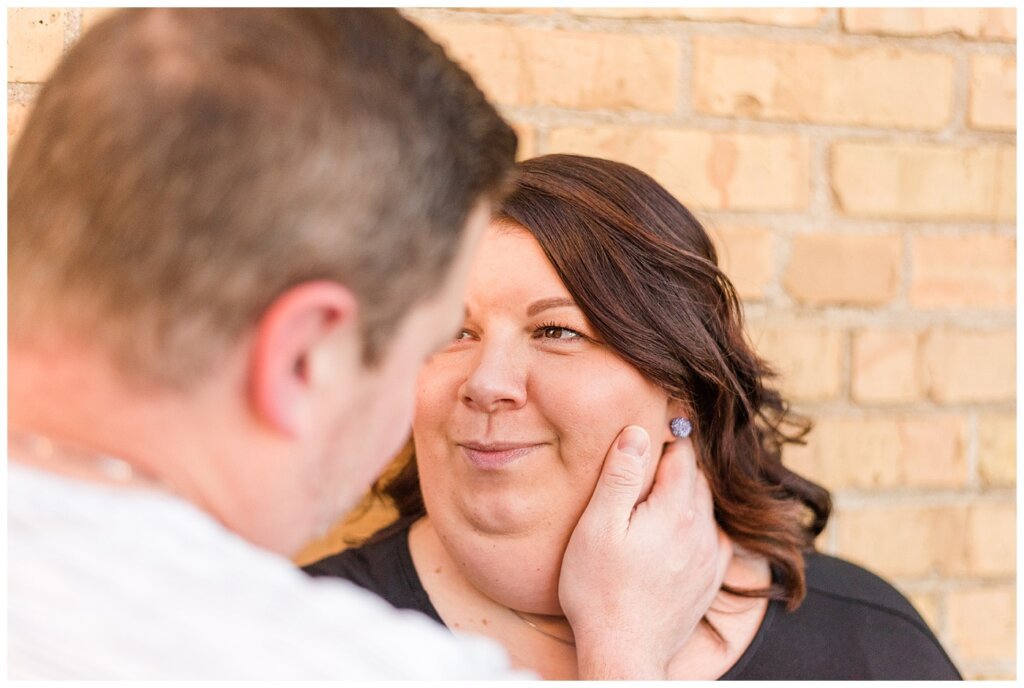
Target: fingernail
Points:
(634, 441)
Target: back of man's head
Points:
(183, 168)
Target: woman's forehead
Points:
(512, 273)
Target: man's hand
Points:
(637, 578)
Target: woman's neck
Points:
(465, 609)
(539, 643)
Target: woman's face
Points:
(514, 418)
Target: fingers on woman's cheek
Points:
(648, 484)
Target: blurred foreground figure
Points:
(234, 237)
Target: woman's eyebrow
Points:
(544, 304)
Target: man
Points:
(234, 236)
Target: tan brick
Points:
(905, 541)
(997, 450)
(927, 605)
(825, 536)
(933, 452)
(843, 269)
(586, 70)
(35, 42)
(808, 359)
(988, 673)
(633, 12)
(803, 461)
(746, 255)
(499, 10)
(982, 622)
(17, 113)
(988, 23)
(93, 15)
(791, 16)
(993, 93)
(706, 170)
(992, 539)
(527, 140)
(886, 367)
(920, 181)
(963, 271)
(797, 82)
(969, 366)
(885, 452)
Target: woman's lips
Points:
(495, 456)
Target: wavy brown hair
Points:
(645, 273)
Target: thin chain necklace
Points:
(46, 450)
(564, 641)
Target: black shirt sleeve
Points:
(851, 625)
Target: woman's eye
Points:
(462, 336)
(556, 332)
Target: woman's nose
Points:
(497, 380)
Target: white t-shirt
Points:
(110, 583)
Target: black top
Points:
(851, 625)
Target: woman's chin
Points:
(510, 551)
(501, 524)
(504, 515)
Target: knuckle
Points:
(622, 477)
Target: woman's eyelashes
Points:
(548, 332)
(556, 332)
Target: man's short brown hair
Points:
(183, 168)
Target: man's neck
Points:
(53, 456)
(73, 398)
(198, 444)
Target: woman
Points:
(596, 302)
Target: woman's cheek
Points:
(587, 418)
(436, 393)
(591, 416)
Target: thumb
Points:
(622, 476)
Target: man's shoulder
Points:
(172, 594)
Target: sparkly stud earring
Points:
(681, 427)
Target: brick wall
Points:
(857, 169)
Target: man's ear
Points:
(302, 331)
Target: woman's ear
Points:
(676, 409)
